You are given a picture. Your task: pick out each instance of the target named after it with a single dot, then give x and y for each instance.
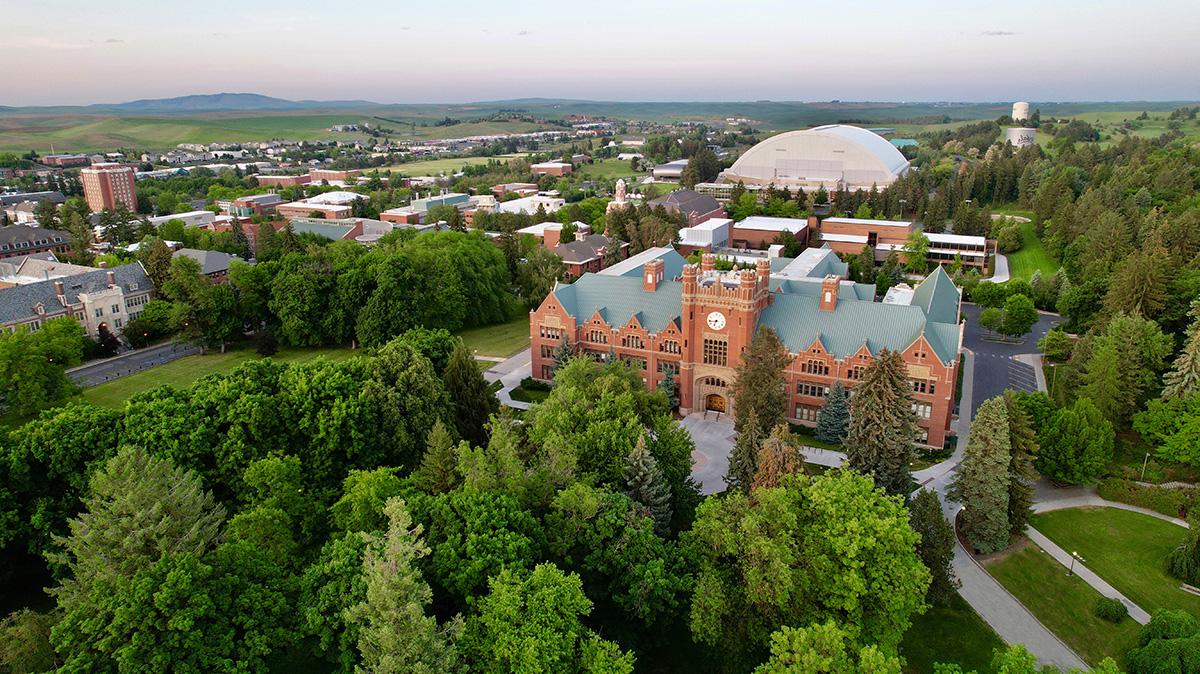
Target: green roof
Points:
(621, 297)
(937, 296)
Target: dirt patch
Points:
(1019, 543)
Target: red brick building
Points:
(552, 168)
(697, 327)
(106, 185)
(281, 180)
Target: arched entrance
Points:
(714, 402)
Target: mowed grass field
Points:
(1032, 256)
(950, 634)
(609, 169)
(1064, 604)
(498, 341)
(445, 165)
(1125, 548)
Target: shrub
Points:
(531, 384)
(1171, 502)
(1111, 609)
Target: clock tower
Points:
(719, 315)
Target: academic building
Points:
(692, 321)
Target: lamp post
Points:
(1145, 460)
(902, 202)
(1074, 556)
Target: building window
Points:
(923, 435)
(813, 389)
(634, 362)
(713, 381)
(855, 373)
(716, 352)
(547, 372)
(806, 412)
(116, 308)
(923, 386)
(669, 346)
(668, 367)
(632, 342)
(923, 410)
(814, 367)
(99, 312)
(547, 351)
(598, 336)
(118, 322)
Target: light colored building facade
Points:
(108, 298)
(106, 184)
(834, 156)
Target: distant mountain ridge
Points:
(223, 102)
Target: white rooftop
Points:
(960, 239)
(804, 263)
(873, 223)
(846, 238)
(899, 294)
(635, 261)
(765, 223)
(340, 198)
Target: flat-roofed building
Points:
(705, 236)
(671, 171)
(552, 168)
(107, 184)
(282, 180)
(760, 231)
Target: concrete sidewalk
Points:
(1079, 568)
(509, 373)
(101, 371)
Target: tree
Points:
(472, 401)
(778, 457)
(267, 245)
(538, 272)
(1184, 561)
(822, 648)
(408, 399)
(394, 633)
(33, 365)
(1023, 448)
(329, 587)
(439, 466)
(828, 548)
(25, 642)
(1183, 380)
(743, 459)
(645, 486)
(532, 623)
(364, 496)
(759, 386)
(1123, 366)
(703, 167)
(1168, 644)
(833, 419)
(1019, 316)
(883, 427)
(936, 546)
(991, 319)
(672, 447)
(916, 250)
(1077, 444)
(1056, 345)
(563, 352)
(155, 256)
(141, 510)
(982, 482)
(1139, 284)
(45, 212)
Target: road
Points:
(995, 368)
(100, 371)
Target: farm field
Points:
(444, 165)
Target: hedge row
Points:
(1165, 500)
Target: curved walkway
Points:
(1079, 568)
(1000, 273)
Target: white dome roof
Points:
(831, 156)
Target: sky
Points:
(68, 52)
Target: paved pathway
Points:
(100, 371)
(1000, 273)
(1079, 568)
(510, 373)
(714, 441)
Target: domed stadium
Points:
(832, 156)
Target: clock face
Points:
(716, 320)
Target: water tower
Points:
(1020, 111)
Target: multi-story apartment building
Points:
(106, 184)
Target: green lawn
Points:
(501, 340)
(183, 372)
(444, 165)
(951, 634)
(1125, 548)
(609, 169)
(1031, 257)
(1062, 603)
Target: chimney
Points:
(103, 264)
(653, 275)
(551, 237)
(112, 279)
(829, 292)
(708, 262)
(58, 289)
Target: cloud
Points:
(524, 33)
(405, 27)
(113, 40)
(997, 33)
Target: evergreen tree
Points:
(777, 458)
(1102, 380)
(563, 352)
(759, 385)
(472, 401)
(883, 427)
(645, 486)
(1184, 378)
(670, 389)
(287, 240)
(395, 635)
(982, 482)
(266, 242)
(1023, 447)
(936, 548)
(833, 419)
(439, 465)
(743, 459)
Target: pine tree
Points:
(982, 482)
(743, 459)
(266, 242)
(439, 467)
(936, 548)
(834, 416)
(883, 427)
(777, 457)
(1102, 380)
(472, 401)
(670, 389)
(1184, 378)
(287, 240)
(759, 384)
(562, 353)
(1023, 446)
(395, 634)
(645, 486)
